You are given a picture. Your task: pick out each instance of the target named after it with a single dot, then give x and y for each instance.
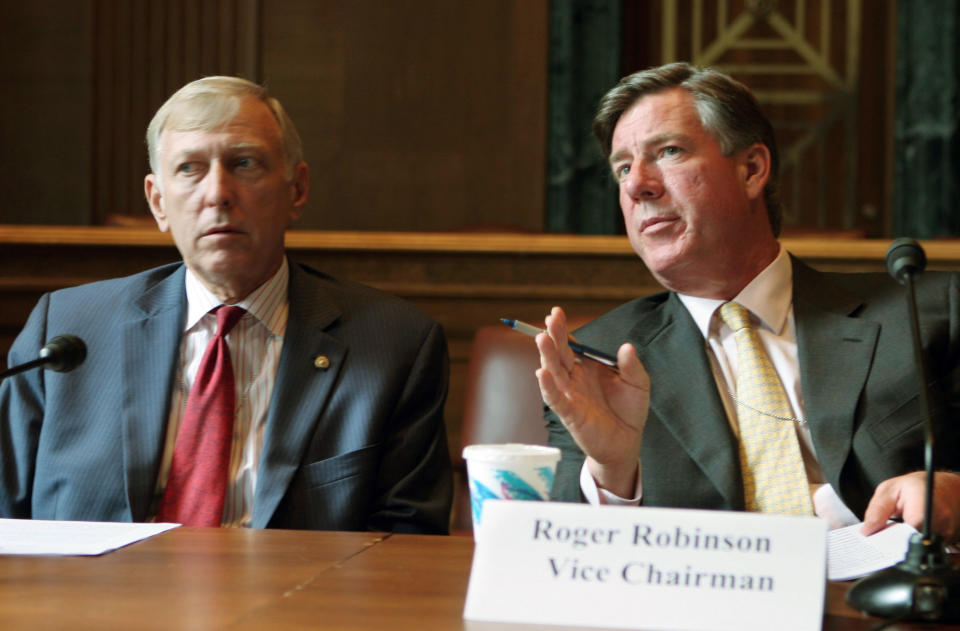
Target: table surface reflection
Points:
(197, 578)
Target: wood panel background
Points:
(426, 115)
(463, 280)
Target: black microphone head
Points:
(905, 256)
(64, 353)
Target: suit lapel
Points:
(684, 394)
(150, 346)
(300, 392)
(835, 351)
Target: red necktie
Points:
(197, 483)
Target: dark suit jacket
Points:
(860, 389)
(360, 445)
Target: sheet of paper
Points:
(850, 555)
(82, 538)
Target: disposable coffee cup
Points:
(508, 472)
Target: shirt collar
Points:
(768, 296)
(264, 302)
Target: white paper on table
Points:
(851, 555)
(82, 538)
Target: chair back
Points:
(502, 403)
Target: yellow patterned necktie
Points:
(774, 479)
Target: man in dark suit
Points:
(696, 165)
(337, 420)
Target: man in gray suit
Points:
(696, 165)
(338, 416)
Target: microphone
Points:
(61, 354)
(926, 585)
(905, 257)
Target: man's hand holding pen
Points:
(603, 410)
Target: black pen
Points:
(578, 348)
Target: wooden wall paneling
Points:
(248, 47)
(415, 116)
(463, 280)
(143, 51)
(45, 136)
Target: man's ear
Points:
(756, 171)
(299, 190)
(151, 188)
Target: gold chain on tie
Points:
(774, 478)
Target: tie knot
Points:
(227, 318)
(735, 315)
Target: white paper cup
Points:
(509, 472)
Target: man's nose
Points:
(219, 186)
(643, 181)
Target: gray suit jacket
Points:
(360, 445)
(860, 389)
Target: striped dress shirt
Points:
(255, 345)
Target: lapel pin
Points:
(321, 362)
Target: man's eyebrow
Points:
(653, 141)
(191, 153)
(618, 155)
(187, 153)
(247, 146)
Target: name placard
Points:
(632, 568)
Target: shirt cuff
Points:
(828, 505)
(597, 496)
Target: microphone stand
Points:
(926, 584)
(16, 370)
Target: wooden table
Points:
(211, 579)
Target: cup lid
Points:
(510, 451)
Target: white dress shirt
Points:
(255, 345)
(769, 298)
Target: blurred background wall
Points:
(440, 115)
